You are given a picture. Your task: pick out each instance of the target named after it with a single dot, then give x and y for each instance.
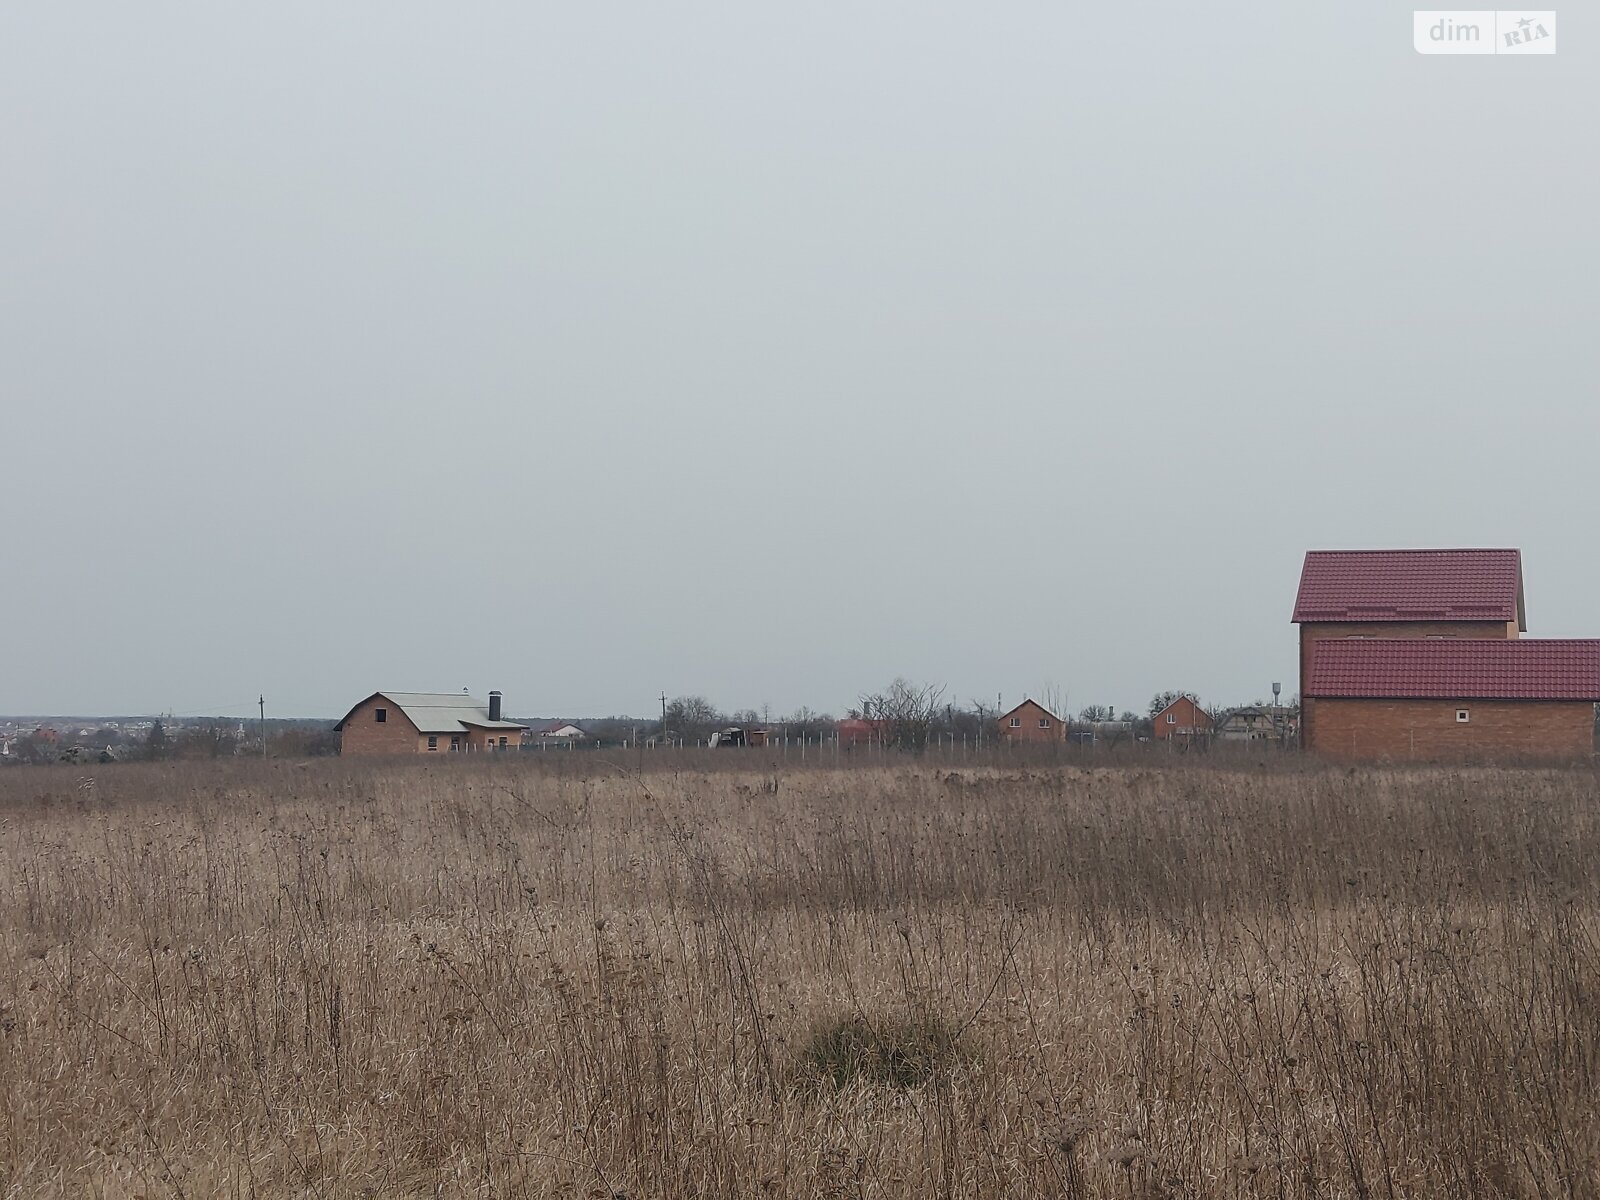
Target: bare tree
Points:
(1056, 699)
(692, 717)
(969, 724)
(908, 712)
(808, 723)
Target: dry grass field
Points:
(513, 978)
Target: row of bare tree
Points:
(906, 713)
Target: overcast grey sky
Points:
(767, 351)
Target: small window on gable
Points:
(1462, 716)
(455, 741)
(1172, 718)
(381, 715)
(1044, 722)
(1016, 722)
(433, 741)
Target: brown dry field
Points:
(535, 978)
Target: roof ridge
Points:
(1425, 550)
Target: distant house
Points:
(1181, 720)
(561, 731)
(1258, 723)
(1031, 721)
(426, 723)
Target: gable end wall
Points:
(363, 735)
(1190, 719)
(1029, 713)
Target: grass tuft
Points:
(899, 1052)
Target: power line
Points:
(216, 710)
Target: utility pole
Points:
(261, 703)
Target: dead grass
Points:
(525, 979)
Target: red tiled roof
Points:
(1410, 585)
(1455, 669)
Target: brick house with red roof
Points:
(1181, 721)
(1031, 721)
(1418, 654)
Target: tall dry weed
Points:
(519, 978)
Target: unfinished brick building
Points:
(426, 723)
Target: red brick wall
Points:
(363, 734)
(1313, 631)
(1030, 714)
(1427, 730)
(1188, 719)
